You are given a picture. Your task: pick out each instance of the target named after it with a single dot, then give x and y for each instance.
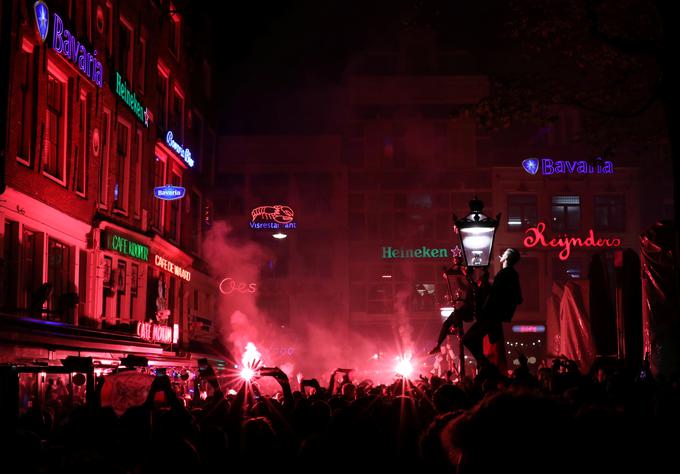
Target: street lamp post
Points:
(476, 232)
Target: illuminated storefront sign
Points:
(130, 99)
(528, 328)
(67, 45)
(168, 193)
(535, 238)
(183, 153)
(172, 268)
(549, 167)
(282, 217)
(125, 246)
(42, 19)
(155, 333)
(421, 252)
(229, 286)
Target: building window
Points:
(177, 124)
(175, 32)
(125, 50)
(54, 147)
(134, 290)
(104, 150)
(141, 70)
(163, 87)
(81, 148)
(59, 276)
(195, 225)
(158, 181)
(121, 289)
(8, 277)
(530, 282)
(107, 287)
(173, 217)
(25, 112)
(82, 283)
(522, 211)
(379, 299)
(610, 213)
(30, 268)
(137, 167)
(566, 213)
(121, 168)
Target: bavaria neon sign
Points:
(535, 238)
(42, 14)
(282, 217)
(549, 167)
(170, 267)
(130, 99)
(169, 193)
(64, 43)
(421, 252)
(229, 286)
(182, 152)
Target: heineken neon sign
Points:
(66, 44)
(125, 246)
(420, 252)
(183, 153)
(130, 99)
(549, 167)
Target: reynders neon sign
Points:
(282, 217)
(535, 237)
(130, 99)
(64, 43)
(182, 152)
(229, 286)
(549, 167)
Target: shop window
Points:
(566, 213)
(30, 268)
(121, 289)
(134, 290)
(82, 283)
(107, 287)
(10, 269)
(63, 296)
(610, 213)
(522, 211)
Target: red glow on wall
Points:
(535, 237)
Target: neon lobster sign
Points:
(535, 237)
(281, 216)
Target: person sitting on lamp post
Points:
(504, 296)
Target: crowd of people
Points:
(556, 420)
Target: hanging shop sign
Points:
(155, 333)
(66, 44)
(229, 286)
(130, 99)
(272, 217)
(42, 19)
(421, 252)
(168, 266)
(548, 166)
(125, 246)
(182, 152)
(168, 192)
(535, 238)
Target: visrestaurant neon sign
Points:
(535, 237)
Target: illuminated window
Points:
(610, 213)
(566, 213)
(54, 147)
(522, 211)
(121, 168)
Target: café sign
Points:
(168, 266)
(155, 333)
(123, 245)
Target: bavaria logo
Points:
(168, 193)
(530, 165)
(42, 15)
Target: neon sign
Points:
(550, 167)
(65, 43)
(536, 237)
(172, 268)
(183, 153)
(125, 246)
(281, 215)
(130, 99)
(169, 193)
(528, 328)
(422, 252)
(155, 333)
(229, 285)
(42, 14)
